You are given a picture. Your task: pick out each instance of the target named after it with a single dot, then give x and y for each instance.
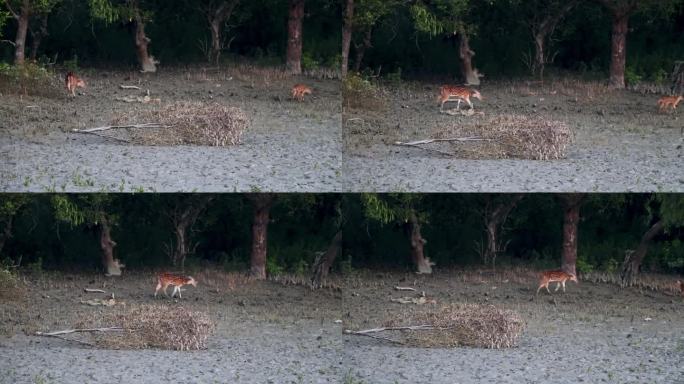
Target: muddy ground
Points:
(273, 333)
(621, 141)
(266, 333)
(289, 146)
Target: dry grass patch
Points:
(359, 93)
(511, 136)
(187, 123)
(153, 326)
(644, 281)
(456, 325)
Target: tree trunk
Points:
(111, 265)
(22, 28)
(182, 219)
(423, 264)
(571, 214)
(294, 37)
(361, 48)
(494, 220)
(619, 49)
(217, 18)
(262, 208)
(466, 54)
(147, 62)
(347, 35)
(633, 259)
(37, 36)
(6, 233)
(539, 55)
(325, 261)
(541, 33)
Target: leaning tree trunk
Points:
(262, 208)
(37, 36)
(571, 215)
(422, 263)
(111, 265)
(347, 36)
(325, 261)
(361, 48)
(541, 33)
(147, 62)
(294, 37)
(183, 219)
(494, 220)
(22, 28)
(539, 62)
(466, 54)
(633, 259)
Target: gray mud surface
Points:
(273, 333)
(289, 146)
(593, 333)
(265, 333)
(621, 142)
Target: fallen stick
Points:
(91, 290)
(404, 289)
(107, 127)
(67, 331)
(375, 337)
(128, 86)
(424, 148)
(428, 141)
(67, 339)
(381, 329)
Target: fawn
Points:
(558, 277)
(299, 90)
(457, 93)
(72, 82)
(669, 101)
(166, 279)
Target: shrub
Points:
(29, 79)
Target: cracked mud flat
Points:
(621, 143)
(289, 146)
(266, 333)
(593, 333)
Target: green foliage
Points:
(439, 16)
(273, 266)
(583, 266)
(631, 76)
(393, 207)
(81, 209)
(346, 267)
(71, 65)
(671, 209)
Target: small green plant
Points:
(346, 266)
(660, 76)
(583, 265)
(301, 268)
(273, 266)
(308, 61)
(36, 267)
(394, 78)
(631, 76)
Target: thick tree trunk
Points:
(22, 28)
(361, 48)
(325, 261)
(347, 36)
(215, 53)
(619, 49)
(181, 250)
(422, 263)
(495, 217)
(571, 215)
(111, 265)
(470, 75)
(294, 37)
(542, 31)
(38, 35)
(262, 208)
(539, 55)
(147, 62)
(633, 259)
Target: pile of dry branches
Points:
(512, 136)
(151, 326)
(473, 325)
(184, 123)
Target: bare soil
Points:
(289, 146)
(622, 143)
(268, 332)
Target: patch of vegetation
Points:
(359, 92)
(29, 79)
